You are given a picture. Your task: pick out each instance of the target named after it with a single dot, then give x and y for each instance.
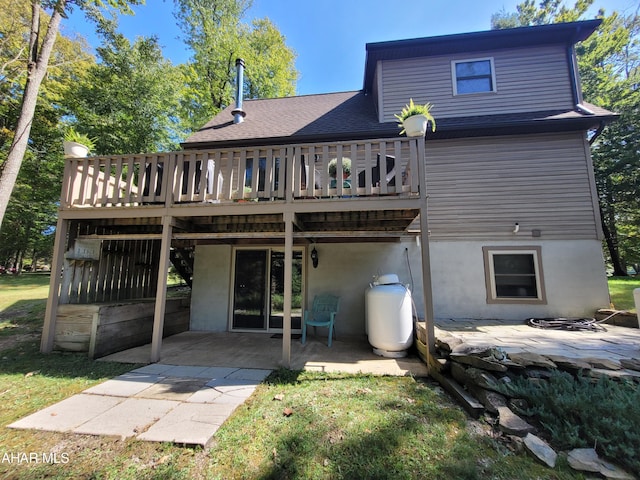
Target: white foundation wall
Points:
(574, 280)
(348, 269)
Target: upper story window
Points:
(473, 76)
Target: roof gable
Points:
(564, 33)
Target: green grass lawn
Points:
(296, 424)
(621, 291)
(22, 303)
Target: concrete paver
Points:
(125, 385)
(158, 402)
(173, 388)
(188, 423)
(128, 418)
(69, 413)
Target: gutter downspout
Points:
(238, 113)
(597, 132)
(573, 75)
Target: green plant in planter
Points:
(346, 167)
(72, 135)
(346, 172)
(411, 110)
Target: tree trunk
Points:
(618, 267)
(37, 68)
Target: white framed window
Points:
(473, 76)
(514, 275)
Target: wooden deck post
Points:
(161, 289)
(426, 259)
(288, 276)
(51, 312)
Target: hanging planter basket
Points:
(414, 119)
(415, 125)
(75, 150)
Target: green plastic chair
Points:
(322, 314)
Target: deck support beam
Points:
(57, 262)
(289, 218)
(161, 289)
(426, 258)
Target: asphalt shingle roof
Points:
(335, 115)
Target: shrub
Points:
(582, 412)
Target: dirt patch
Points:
(12, 341)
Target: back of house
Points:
(493, 215)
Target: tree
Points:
(548, 11)
(42, 37)
(31, 211)
(216, 35)
(608, 62)
(128, 100)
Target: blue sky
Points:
(329, 36)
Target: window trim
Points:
(454, 76)
(492, 297)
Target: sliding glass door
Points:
(258, 290)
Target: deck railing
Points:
(288, 172)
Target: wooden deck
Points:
(139, 209)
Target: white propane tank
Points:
(389, 317)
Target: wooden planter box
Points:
(102, 329)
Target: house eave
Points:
(447, 129)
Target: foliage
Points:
(580, 412)
(217, 38)
(547, 11)
(609, 63)
(72, 135)
(412, 109)
(31, 211)
(333, 167)
(128, 100)
(39, 46)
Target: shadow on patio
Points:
(257, 350)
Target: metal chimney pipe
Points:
(238, 113)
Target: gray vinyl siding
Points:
(531, 79)
(480, 187)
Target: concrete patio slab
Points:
(125, 385)
(159, 402)
(173, 388)
(248, 350)
(68, 414)
(205, 395)
(129, 418)
(189, 424)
